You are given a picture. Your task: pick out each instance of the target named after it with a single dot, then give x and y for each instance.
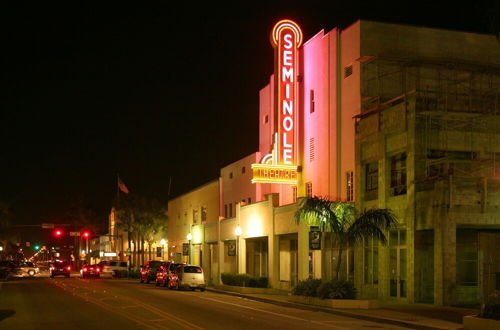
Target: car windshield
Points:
(192, 269)
(173, 266)
(60, 263)
(123, 264)
(113, 263)
(155, 264)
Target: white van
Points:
(191, 277)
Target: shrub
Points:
(307, 287)
(244, 280)
(491, 309)
(262, 282)
(336, 290)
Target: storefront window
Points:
(467, 258)
(370, 261)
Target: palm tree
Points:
(347, 225)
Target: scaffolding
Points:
(457, 112)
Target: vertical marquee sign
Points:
(281, 165)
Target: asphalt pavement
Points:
(61, 303)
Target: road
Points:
(61, 303)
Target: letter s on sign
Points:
(288, 41)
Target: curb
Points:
(330, 311)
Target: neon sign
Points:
(265, 173)
(281, 165)
(286, 38)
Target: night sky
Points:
(150, 91)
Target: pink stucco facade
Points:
(328, 100)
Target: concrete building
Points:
(427, 139)
(390, 116)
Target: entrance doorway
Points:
(288, 261)
(398, 264)
(257, 256)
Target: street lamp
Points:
(162, 243)
(189, 238)
(237, 232)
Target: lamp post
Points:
(237, 232)
(162, 243)
(189, 238)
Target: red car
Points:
(163, 273)
(60, 267)
(148, 271)
(90, 271)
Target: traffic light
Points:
(86, 234)
(58, 233)
(37, 247)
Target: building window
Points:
(249, 200)
(266, 119)
(230, 210)
(195, 217)
(309, 189)
(230, 175)
(371, 184)
(467, 258)
(347, 71)
(311, 97)
(370, 261)
(294, 194)
(311, 149)
(225, 210)
(243, 170)
(350, 186)
(203, 214)
(398, 174)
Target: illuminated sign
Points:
(281, 165)
(286, 38)
(266, 173)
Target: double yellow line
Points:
(151, 324)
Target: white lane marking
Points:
(274, 313)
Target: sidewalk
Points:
(413, 316)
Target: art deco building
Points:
(388, 116)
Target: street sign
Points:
(47, 225)
(28, 244)
(314, 238)
(74, 233)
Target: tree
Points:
(347, 226)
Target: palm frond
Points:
(318, 211)
(372, 223)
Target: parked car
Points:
(60, 267)
(26, 269)
(148, 270)
(187, 276)
(113, 268)
(163, 273)
(89, 271)
(6, 268)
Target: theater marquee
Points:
(281, 165)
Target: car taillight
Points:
(68, 268)
(97, 270)
(85, 269)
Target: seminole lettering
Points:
(287, 38)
